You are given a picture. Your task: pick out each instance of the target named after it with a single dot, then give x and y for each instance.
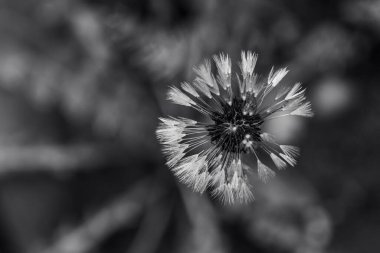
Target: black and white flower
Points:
(215, 154)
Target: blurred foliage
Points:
(83, 82)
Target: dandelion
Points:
(214, 154)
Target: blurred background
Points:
(82, 84)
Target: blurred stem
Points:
(205, 234)
(154, 223)
(55, 158)
(120, 213)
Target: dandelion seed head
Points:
(210, 154)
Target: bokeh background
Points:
(82, 84)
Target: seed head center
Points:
(235, 129)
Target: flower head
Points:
(214, 154)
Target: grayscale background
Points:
(82, 84)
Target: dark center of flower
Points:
(236, 129)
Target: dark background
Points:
(82, 84)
